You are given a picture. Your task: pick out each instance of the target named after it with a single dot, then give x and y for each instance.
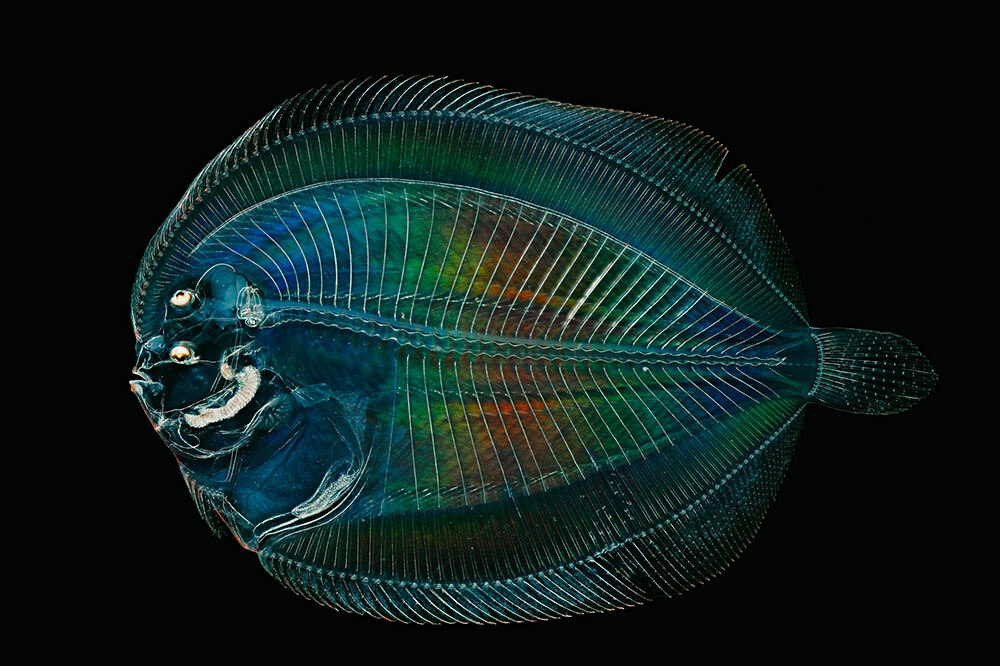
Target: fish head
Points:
(257, 442)
(199, 368)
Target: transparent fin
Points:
(646, 181)
(870, 372)
(688, 547)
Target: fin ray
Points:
(647, 181)
(687, 547)
(869, 372)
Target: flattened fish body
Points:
(448, 353)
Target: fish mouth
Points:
(145, 385)
(145, 389)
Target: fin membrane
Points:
(869, 372)
(689, 547)
(647, 181)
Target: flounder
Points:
(439, 352)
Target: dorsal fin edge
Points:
(678, 159)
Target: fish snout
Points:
(147, 388)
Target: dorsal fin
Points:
(671, 154)
(718, 233)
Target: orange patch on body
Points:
(524, 295)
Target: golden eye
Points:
(181, 298)
(181, 353)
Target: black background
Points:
(837, 137)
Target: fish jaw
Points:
(243, 425)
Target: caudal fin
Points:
(869, 372)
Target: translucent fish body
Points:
(442, 353)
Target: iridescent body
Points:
(438, 352)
